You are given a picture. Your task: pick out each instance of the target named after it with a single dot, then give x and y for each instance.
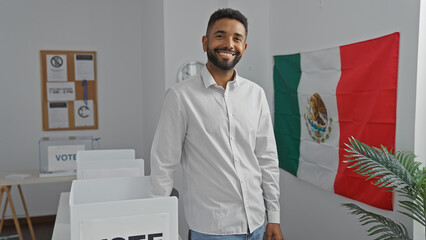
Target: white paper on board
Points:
(62, 158)
(152, 226)
(60, 91)
(83, 113)
(84, 67)
(56, 68)
(58, 114)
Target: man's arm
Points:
(266, 153)
(166, 148)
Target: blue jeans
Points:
(255, 235)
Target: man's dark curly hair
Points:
(227, 13)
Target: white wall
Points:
(309, 212)
(420, 126)
(185, 23)
(153, 68)
(113, 29)
(142, 44)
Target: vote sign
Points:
(63, 158)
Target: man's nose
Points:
(229, 43)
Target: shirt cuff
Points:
(273, 216)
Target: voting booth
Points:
(119, 208)
(112, 154)
(110, 168)
(58, 155)
(108, 164)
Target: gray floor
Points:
(42, 231)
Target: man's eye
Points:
(238, 39)
(219, 36)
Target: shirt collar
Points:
(208, 79)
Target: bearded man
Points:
(217, 125)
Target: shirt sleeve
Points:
(166, 148)
(266, 153)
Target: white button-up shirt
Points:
(224, 140)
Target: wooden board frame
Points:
(79, 89)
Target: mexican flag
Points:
(324, 97)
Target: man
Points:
(217, 125)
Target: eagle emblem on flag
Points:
(316, 119)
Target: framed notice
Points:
(69, 90)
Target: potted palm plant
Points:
(397, 172)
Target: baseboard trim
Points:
(34, 220)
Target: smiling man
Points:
(217, 125)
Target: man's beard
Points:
(223, 65)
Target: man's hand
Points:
(273, 230)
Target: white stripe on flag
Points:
(318, 162)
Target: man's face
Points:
(225, 43)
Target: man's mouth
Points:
(224, 58)
(226, 54)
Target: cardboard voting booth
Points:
(106, 154)
(119, 208)
(109, 168)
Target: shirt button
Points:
(232, 138)
(231, 116)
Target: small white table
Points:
(34, 178)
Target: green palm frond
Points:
(386, 228)
(382, 166)
(407, 159)
(414, 210)
(397, 172)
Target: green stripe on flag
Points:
(287, 73)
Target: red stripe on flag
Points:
(366, 102)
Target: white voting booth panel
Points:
(107, 154)
(97, 155)
(119, 208)
(107, 168)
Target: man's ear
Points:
(204, 41)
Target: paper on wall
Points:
(84, 67)
(61, 91)
(83, 113)
(56, 68)
(58, 114)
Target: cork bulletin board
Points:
(69, 90)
